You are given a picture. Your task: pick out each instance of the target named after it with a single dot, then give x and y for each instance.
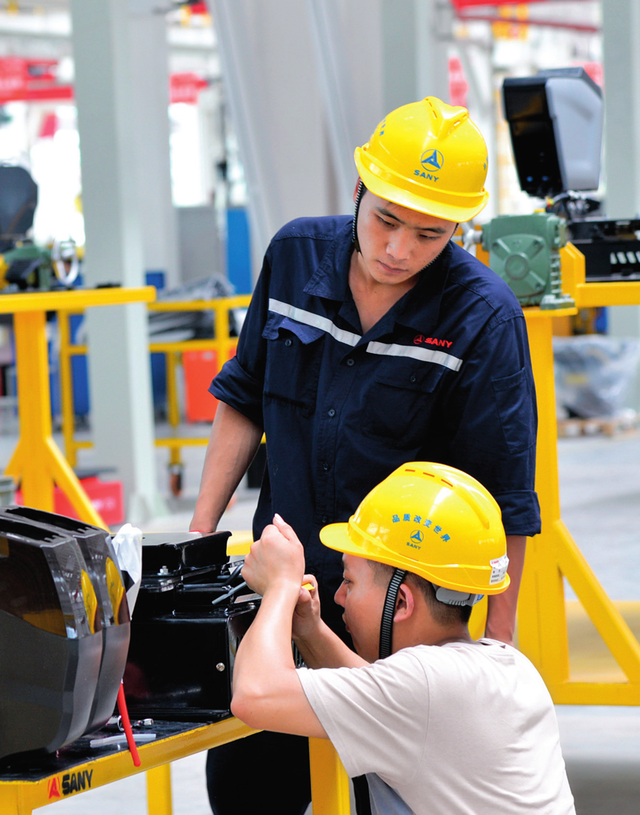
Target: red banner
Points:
(34, 80)
(458, 85)
(185, 88)
(458, 4)
(28, 80)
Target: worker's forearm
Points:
(501, 614)
(326, 650)
(265, 650)
(267, 693)
(232, 445)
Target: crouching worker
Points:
(440, 724)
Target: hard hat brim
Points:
(392, 188)
(341, 538)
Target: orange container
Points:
(200, 367)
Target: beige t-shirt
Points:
(460, 728)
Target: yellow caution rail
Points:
(223, 344)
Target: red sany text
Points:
(420, 339)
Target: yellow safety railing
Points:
(222, 343)
(37, 463)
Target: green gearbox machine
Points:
(525, 251)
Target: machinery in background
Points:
(611, 249)
(555, 120)
(24, 266)
(525, 251)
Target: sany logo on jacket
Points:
(420, 339)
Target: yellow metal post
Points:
(12, 800)
(66, 387)
(329, 780)
(159, 790)
(541, 604)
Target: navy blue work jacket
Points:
(444, 376)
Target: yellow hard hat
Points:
(429, 157)
(434, 521)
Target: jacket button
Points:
(413, 379)
(351, 362)
(325, 467)
(287, 343)
(331, 412)
(324, 519)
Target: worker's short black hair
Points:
(443, 613)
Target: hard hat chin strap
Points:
(354, 228)
(388, 611)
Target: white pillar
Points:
(621, 49)
(119, 371)
(270, 77)
(415, 50)
(328, 35)
(149, 55)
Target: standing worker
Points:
(371, 341)
(439, 724)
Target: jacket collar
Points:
(419, 308)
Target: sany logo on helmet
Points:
(431, 160)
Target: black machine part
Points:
(64, 630)
(111, 613)
(555, 121)
(186, 626)
(18, 200)
(611, 248)
(49, 656)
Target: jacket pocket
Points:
(398, 406)
(293, 363)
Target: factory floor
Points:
(600, 496)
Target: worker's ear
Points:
(405, 604)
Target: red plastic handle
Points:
(124, 713)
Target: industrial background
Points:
(167, 141)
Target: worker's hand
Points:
(306, 617)
(202, 522)
(276, 561)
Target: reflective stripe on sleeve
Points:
(314, 320)
(423, 354)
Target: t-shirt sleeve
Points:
(240, 382)
(376, 716)
(493, 416)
